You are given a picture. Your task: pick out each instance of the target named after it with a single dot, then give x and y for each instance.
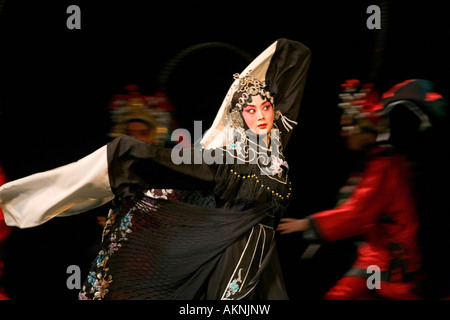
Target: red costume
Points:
(4, 233)
(382, 210)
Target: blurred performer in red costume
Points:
(381, 208)
(4, 233)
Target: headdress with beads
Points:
(249, 86)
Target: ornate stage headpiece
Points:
(249, 86)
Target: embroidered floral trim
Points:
(97, 284)
(276, 167)
(159, 193)
(233, 287)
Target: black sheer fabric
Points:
(172, 248)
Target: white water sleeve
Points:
(63, 191)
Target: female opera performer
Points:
(382, 209)
(186, 223)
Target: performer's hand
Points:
(289, 225)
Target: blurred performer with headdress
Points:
(200, 228)
(145, 117)
(380, 205)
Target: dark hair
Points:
(404, 129)
(237, 95)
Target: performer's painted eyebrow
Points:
(262, 105)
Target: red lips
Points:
(262, 126)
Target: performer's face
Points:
(139, 130)
(355, 138)
(359, 141)
(258, 115)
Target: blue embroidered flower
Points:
(234, 287)
(92, 278)
(100, 257)
(125, 222)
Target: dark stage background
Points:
(56, 83)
